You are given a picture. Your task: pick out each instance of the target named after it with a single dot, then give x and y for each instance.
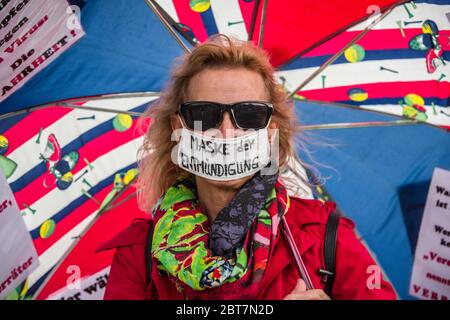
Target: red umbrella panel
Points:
(290, 27)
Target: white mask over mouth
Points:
(223, 159)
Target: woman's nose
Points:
(227, 127)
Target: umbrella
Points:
(126, 49)
(393, 63)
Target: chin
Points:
(230, 184)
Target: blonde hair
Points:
(156, 170)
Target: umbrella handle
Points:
(301, 268)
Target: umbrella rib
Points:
(61, 102)
(340, 52)
(69, 105)
(334, 34)
(359, 108)
(112, 206)
(253, 22)
(91, 108)
(262, 25)
(339, 104)
(351, 125)
(143, 94)
(166, 24)
(192, 40)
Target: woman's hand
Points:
(300, 293)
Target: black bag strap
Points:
(148, 253)
(329, 252)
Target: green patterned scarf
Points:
(183, 240)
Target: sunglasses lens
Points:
(248, 115)
(205, 114)
(252, 115)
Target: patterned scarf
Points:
(199, 256)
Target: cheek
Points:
(273, 132)
(176, 125)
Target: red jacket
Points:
(307, 220)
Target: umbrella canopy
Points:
(397, 67)
(69, 162)
(379, 176)
(125, 49)
(386, 70)
(66, 164)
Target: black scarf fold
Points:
(234, 221)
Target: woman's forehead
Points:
(227, 85)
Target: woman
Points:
(209, 175)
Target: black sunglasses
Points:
(246, 115)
